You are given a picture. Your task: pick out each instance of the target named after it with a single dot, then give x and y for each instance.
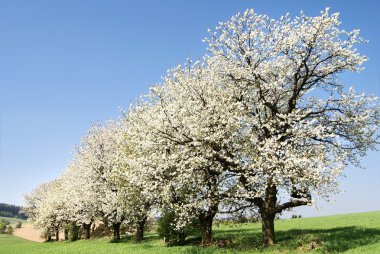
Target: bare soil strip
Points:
(27, 232)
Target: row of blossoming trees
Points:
(261, 122)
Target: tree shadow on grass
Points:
(340, 239)
(148, 238)
(326, 240)
(334, 240)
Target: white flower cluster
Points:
(94, 187)
(263, 113)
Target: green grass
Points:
(352, 233)
(13, 220)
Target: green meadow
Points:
(13, 220)
(351, 233)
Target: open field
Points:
(13, 220)
(352, 233)
(26, 231)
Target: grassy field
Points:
(352, 233)
(13, 220)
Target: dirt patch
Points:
(27, 232)
(311, 246)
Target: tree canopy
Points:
(263, 122)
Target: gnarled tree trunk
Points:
(268, 229)
(48, 237)
(268, 209)
(116, 231)
(181, 237)
(66, 233)
(87, 230)
(57, 233)
(268, 213)
(140, 230)
(205, 221)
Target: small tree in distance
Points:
(18, 224)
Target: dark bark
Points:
(140, 230)
(205, 221)
(116, 231)
(293, 203)
(57, 234)
(87, 231)
(105, 221)
(48, 237)
(66, 233)
(269, 208)
(73, 231)
(268, 229)
(181, 237)
(268, 213)
(80, 232)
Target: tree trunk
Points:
(66, 233)
(73, 231)
(57, 234)
(116, 231)
(268, 229)
(268, 213)
(140, 230)
(87, 231)
(48, 237)
(80, 232)
(205, 221)
(181, 237)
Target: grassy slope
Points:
(13, 220)
(353, 233)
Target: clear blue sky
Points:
(67, 64)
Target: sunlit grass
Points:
(353, 233)
(13, 220)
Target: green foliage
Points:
(18, 224)
(166, 228)
(4, 221)
(6, 214)
(73, 231)
(9, 229)
(80, 232)
(8, 210)
(2, 228)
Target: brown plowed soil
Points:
(27, 232)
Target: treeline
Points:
(7, 210)
(260, 125)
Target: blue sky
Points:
(67, 64)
